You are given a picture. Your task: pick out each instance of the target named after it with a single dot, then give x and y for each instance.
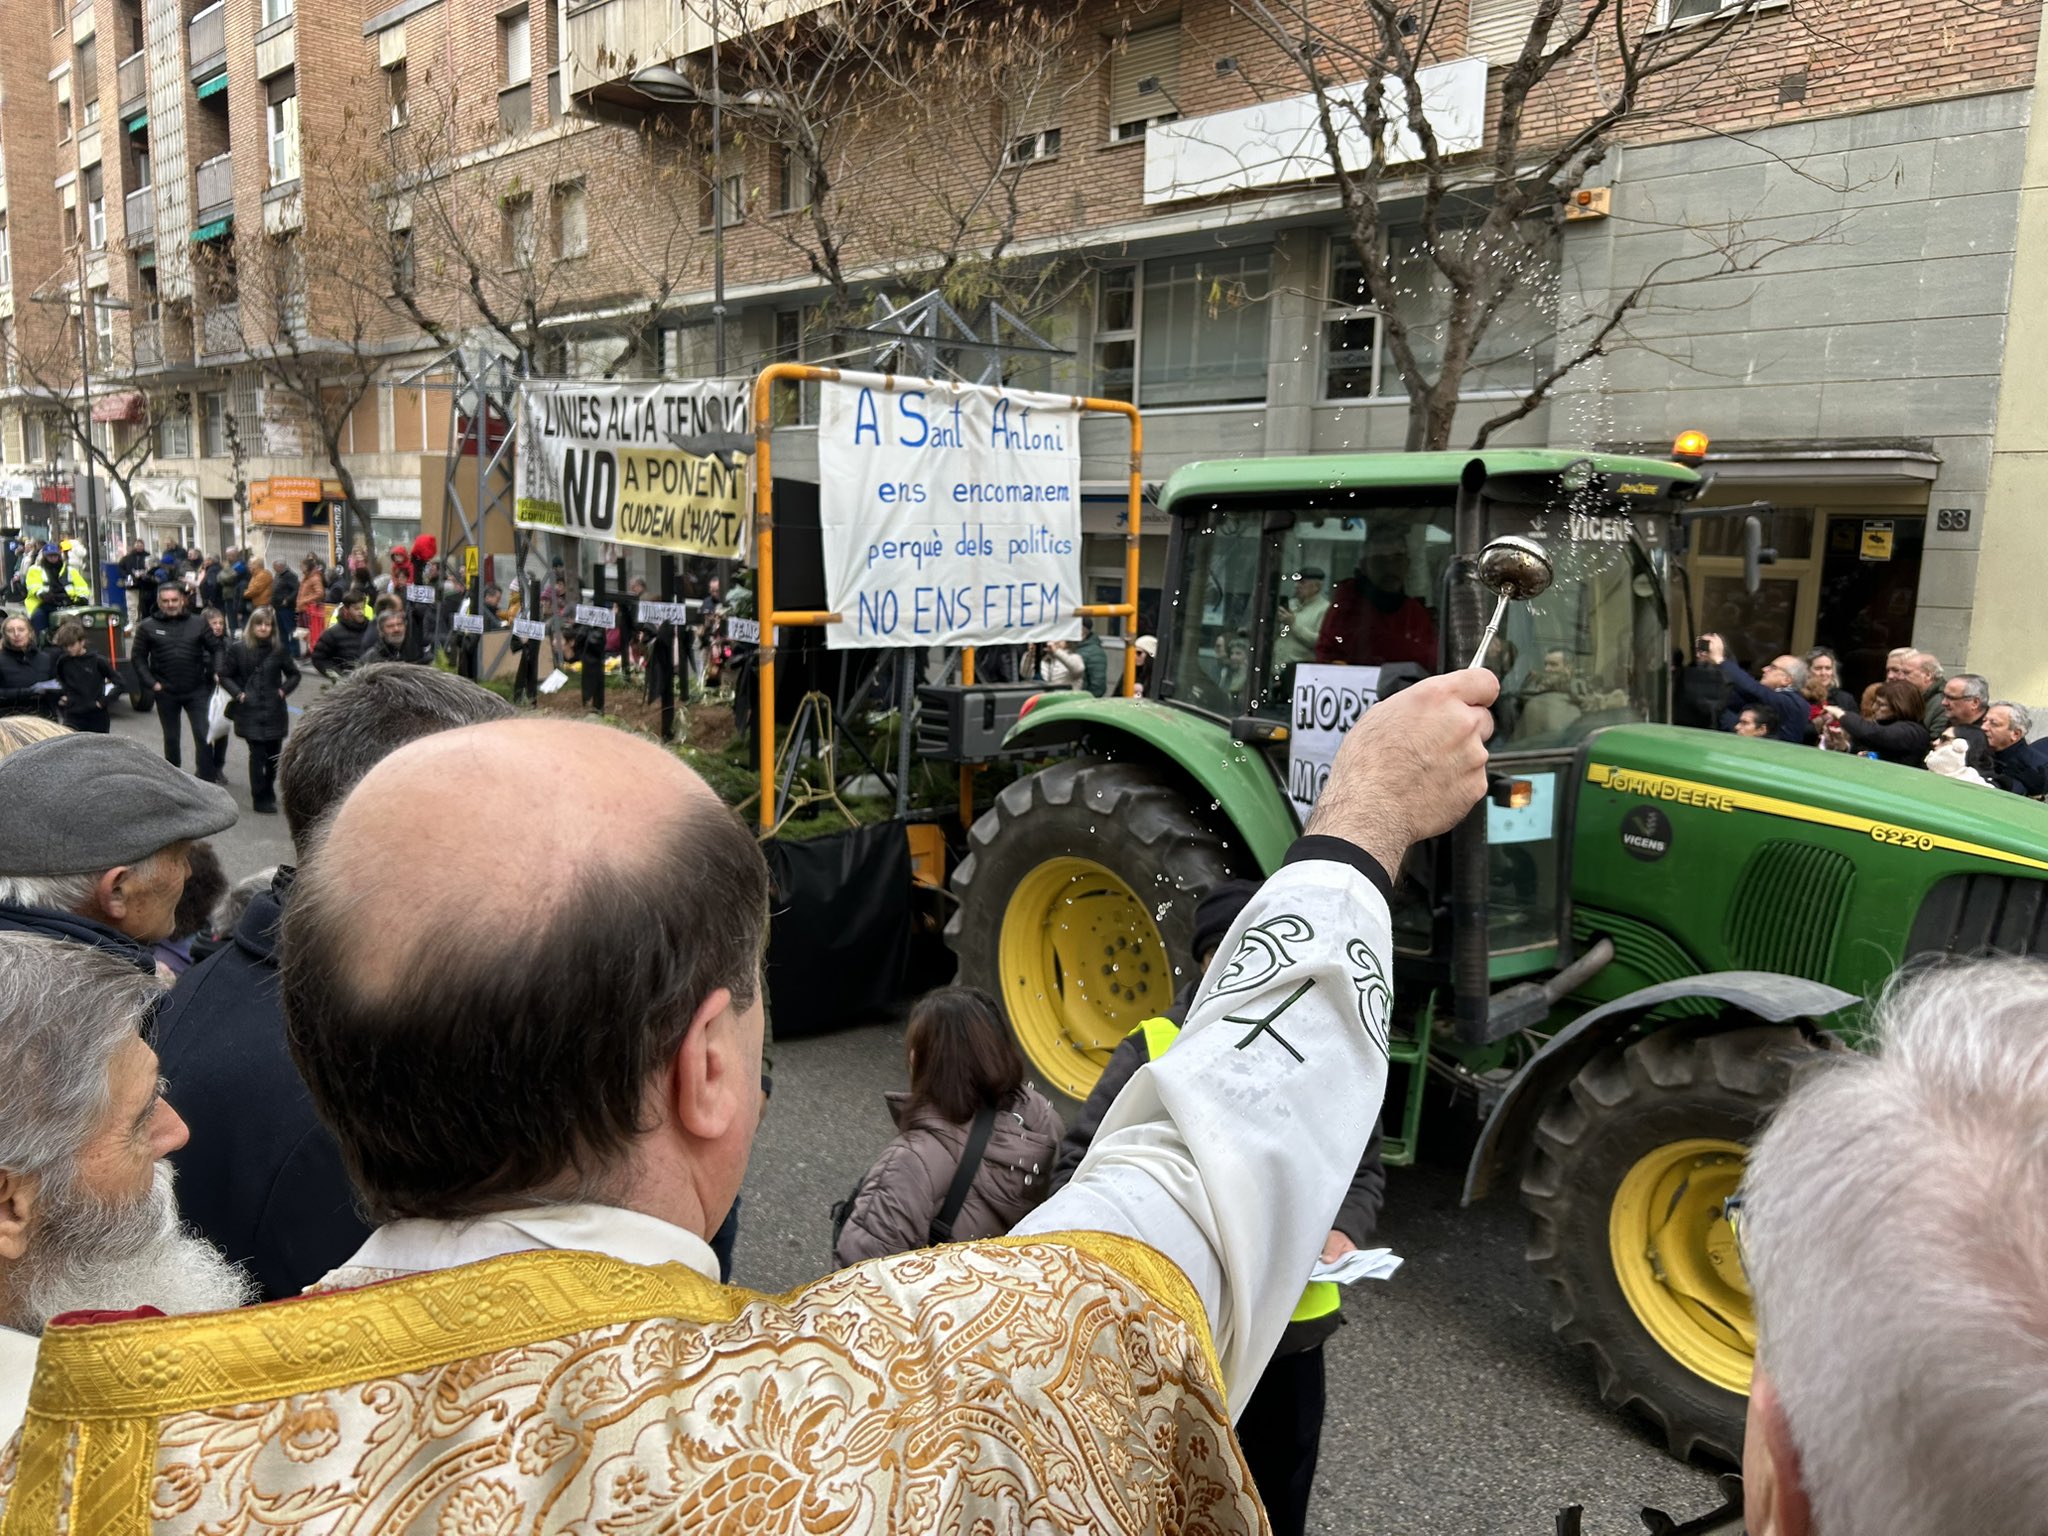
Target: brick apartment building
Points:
(162, 152)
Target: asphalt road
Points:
(254, 842)
(1452, 1409)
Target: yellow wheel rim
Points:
(1676, 1259)
(1082, 966)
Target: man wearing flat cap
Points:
(94, 840)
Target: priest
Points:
(544, 1081)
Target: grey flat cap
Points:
(78, 804)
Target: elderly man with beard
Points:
(87, 1217)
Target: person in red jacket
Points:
(1372, 619)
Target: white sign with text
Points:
(658, 466)
(951, 513)
(1327, 702)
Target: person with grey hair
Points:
(1923, 670)
(88, 1219)
(262, 1176)
(1775, 689)
(1890, 1229)
(2016, 763)
(94, 841)
(1967, 697)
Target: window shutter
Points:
(1153, 53)
(391, 46)
(1034, 109)
(1498, 29)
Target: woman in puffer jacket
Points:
(962, 1060)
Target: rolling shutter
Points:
(1151, 54)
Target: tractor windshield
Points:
(1359, 586)
(1591, 651)
(1363, 584)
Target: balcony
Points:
(148, 344)
(132, 85)
(609, 39)
(139, 211)
(515, 110)
(214, 190)
(207, 42)
(220, 331)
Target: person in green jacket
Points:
(1094, 661)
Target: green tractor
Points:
(1621, 959)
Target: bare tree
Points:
(319, 327)
(591, 232)
(891, 141)
(1479, 224)
(45, 370)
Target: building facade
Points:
(1843, 206)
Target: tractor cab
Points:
(1362, 562)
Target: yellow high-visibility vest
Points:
(1322, 1296)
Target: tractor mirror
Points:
(1755, 554)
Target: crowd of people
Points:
(369, 1212)
(1919, 715)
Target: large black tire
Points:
(1130, 826)
(1625, 1111)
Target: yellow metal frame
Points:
(764, 556)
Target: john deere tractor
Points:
(1620, 960)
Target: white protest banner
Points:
(467, 623)
(421, 595)
(595, 615)
(745, 631)
(951, 513)
(1327, 702)
(660, 466)
(529, 629)
(651, 612)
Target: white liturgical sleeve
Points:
(1232, 1152)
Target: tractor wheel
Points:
(1626, 1181)
(1077, 910)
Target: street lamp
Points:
(669, 86)
(665, 85)
(86, 306)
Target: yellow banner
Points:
(684, 502)
(655, 498)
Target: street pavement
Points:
(1452, 1409)
(254, 842)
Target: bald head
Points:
(480, 1011)
(556, 781)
